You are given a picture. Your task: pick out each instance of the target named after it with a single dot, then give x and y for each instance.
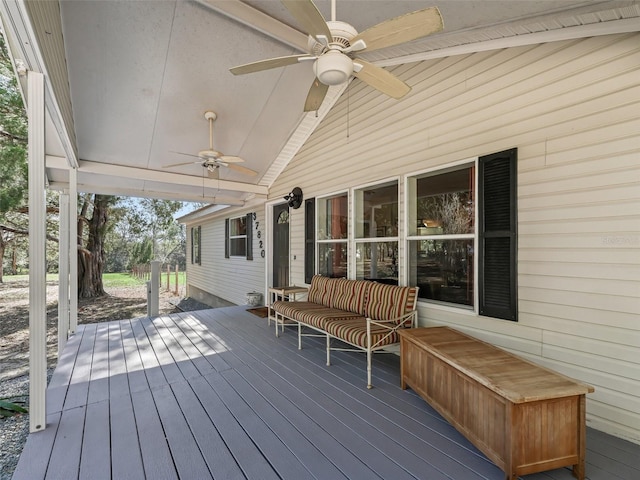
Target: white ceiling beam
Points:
(131, 192)
(97, 168)
(257, 20)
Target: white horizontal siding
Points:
(228, 278)
(573, 111)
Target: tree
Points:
(13, 154)
(91, 256)
(151, 220)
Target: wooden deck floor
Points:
(213, 394)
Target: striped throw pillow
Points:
(350, 295)
(321, 289)
(386, 302)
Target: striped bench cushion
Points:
(350, 295)
(354, 331)
(291, 309)
(386, 302)
(312, 314)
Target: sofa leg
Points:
(369, 354)
(369, 386)
(299, 336)
(328, 350)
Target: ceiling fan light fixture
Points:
(333, 68)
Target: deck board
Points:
(134, 365)
(65, 456)
(214, 394)
(99, 381)
(95, 461)
(375, 417)
(126, 458)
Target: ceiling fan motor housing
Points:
(332, 66)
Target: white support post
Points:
(154, 306)
(37, 257)
(63, 272)
(73, 250)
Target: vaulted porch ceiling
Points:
(129, 81)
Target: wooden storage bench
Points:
(522, 416)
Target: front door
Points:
(280, 245)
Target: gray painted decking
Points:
(213, 394)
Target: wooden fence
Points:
(169, 277)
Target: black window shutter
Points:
(249, 236)
(309, 239)
(192, 243)
(199, 256)
(226, 238)
(498, 235)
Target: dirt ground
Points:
(119, 304)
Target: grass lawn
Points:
(110, 280)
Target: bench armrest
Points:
(405, 321)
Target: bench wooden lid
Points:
(504, 373)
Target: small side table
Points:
(288, 293)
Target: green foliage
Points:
(13, 138)
(142, 252)
(9, 409)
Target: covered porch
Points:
(214, 394)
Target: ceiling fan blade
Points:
(266, 64)
(401, 29)
(181, 163)
(241, 169)
(312, 21)
(231, 159)
(316, 95)
(380, 79)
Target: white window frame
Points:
(234, 237)
(354, 240)
(319, 241)
(409, 212)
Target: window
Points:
(442, 235)
(332, 235)
(445, 242)
(376, 233)
(195, 245)
(238, 236)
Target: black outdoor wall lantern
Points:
(294, 199)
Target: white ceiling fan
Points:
(333, 45)
(212, 159)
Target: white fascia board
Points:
(613, 27)
(215, 211)
(201, 214)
